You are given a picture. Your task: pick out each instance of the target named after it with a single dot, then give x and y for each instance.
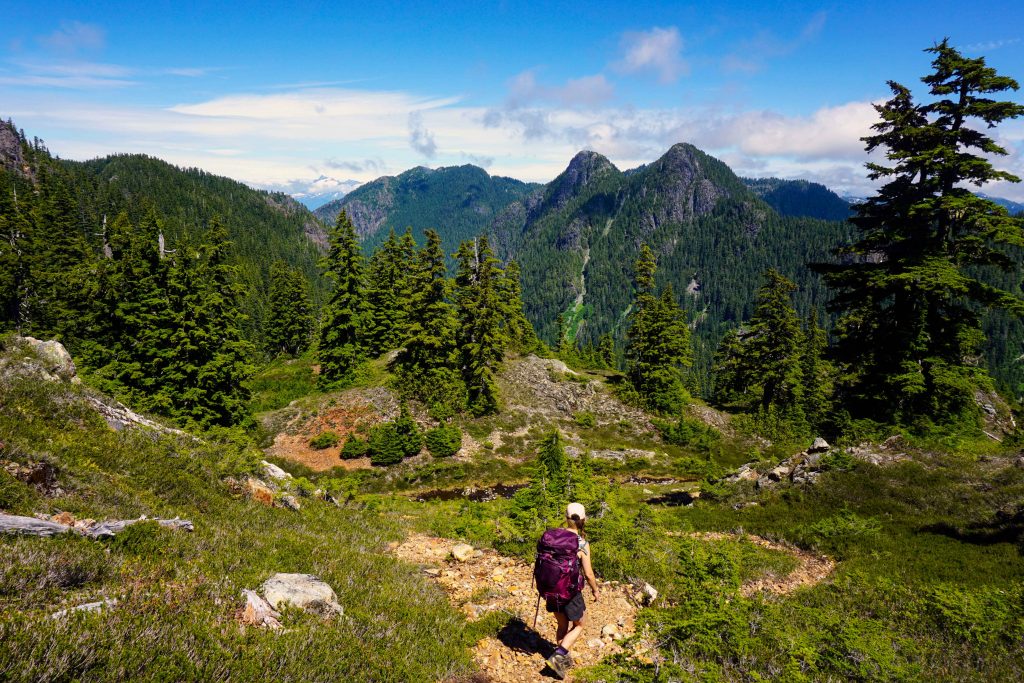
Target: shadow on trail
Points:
(517, 635)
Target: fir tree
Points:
(386, 297)
(481, 338)
(909, 288)
(208, 361)
(659, 341)
(290, 320)
(606, 350)
(427, 366)
(341, 342)
(772, 351)
(815, 373)
(521, 336)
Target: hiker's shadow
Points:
(516, 635)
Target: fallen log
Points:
(30, 526)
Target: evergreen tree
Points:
(521, 335)
(142, 320)
(290, 320)
(606, 350)
(481, 314)
(659, 341)
(909, 287)
(427, 366)
(772, 349)
(208, 360)
(341, 341)
(815, 373)
(386, 297)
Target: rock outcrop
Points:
(304, 591)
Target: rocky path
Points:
(486, 581)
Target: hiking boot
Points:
(559, 664)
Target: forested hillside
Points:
(458, 201)
(576, 241)
(263, 227)
(800, 198)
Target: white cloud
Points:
(658, 51)
(751, 55)
(421, 139)
(73, 36)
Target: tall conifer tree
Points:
(341, 341)
(290, 321)
(909, 289)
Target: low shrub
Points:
(585, 419)
(324, 440)
(354, 448)
(444, 441)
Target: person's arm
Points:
(588, 571)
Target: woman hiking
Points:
(565, 600)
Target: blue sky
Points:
(278, 96)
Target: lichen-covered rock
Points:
(462, 552)
(304, 591)
(819, 446)
(55, 358)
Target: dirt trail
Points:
(813, 569)
(488, 581)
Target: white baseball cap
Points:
(575, 509)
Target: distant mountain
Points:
(578, 237)
(800, 198)
(459, 201)
(1010, 205)
(322, 191)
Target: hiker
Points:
(563, 561)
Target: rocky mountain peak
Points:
(10, 147)
(584, 168)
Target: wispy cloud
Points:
(657, 51)
(751, 55)
(586, 91)
(990, 45)
(73, 36)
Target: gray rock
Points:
(304, 591)
(274, 472)
(819, 446)
(779, 473)
(55, 358)
(291, 503)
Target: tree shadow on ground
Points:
(1006, 526)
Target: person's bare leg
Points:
(563, 627)
(573, 633)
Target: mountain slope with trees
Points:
(458, 201)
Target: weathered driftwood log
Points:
(87, 607)
(258, 611)
(30, 526)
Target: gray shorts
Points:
(573, 608)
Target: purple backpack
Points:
(557, 569)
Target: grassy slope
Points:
(179, 593)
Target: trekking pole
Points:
(536, 614)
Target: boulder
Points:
(289, 502)
(274, 472)
(819, 446)
(779, 473)
(304, 591)
(55, 358)
(40, 475)
(259, 491)
(462, 552)
(610, 631)
(648, 593)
